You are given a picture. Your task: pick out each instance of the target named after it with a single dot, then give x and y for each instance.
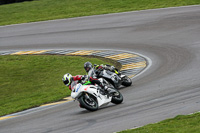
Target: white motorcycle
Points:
(92, 97)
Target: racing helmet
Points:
(67, 79)
(87, 66)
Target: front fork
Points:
(86, 95)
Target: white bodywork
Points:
(78, 89)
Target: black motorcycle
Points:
(116, 79)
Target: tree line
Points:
(11, 1)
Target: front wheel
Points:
(88, 103)
(126, 81)
(117, 99)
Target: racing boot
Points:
(110, 91)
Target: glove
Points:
(112, 68)
(83, 77)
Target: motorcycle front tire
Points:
(85, 104)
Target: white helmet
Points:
(67, 79)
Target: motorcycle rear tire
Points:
(127, 81)
(87, 106)
(117, 99)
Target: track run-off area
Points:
(169, 87)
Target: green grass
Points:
(31, 80)
(40, 10)
(179, 124)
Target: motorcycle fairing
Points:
(91, 89)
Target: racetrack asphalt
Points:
(169, 37)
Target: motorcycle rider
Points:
(68, 79)
(91, 71)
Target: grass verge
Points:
(40, 10)
(179, 124)
(31, 80)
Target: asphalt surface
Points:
(169, 37)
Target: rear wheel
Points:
(88, 103)
(126, 81)
(117, 98)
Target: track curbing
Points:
(132, 65)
